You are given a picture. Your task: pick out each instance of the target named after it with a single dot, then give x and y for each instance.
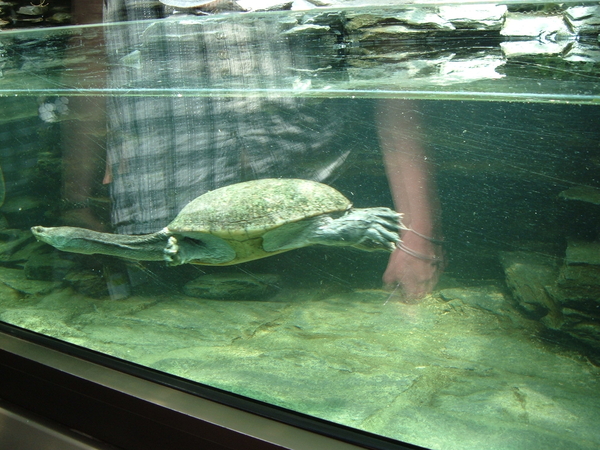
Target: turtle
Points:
(243, 222)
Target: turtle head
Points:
(62, 238)
(76, 240)
(72, 239)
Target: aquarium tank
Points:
(372, 220)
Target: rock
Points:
(19, 13)
(238, 286)
(17, 280)
(46, 265)
(11, 241)
(23, 210)
(9, 296)
(474, 17)
(580, 281)
(386, 23)
(580, 52)
(59, 18)
(265, 5)
(33, 10)
(578, 284)
(361, 20)
(185, 3)
(487, 299)
(533, 49)
(579, 316)
(535, 35)
(307, 30)
(582, 212)
(583, 19)
(528, 275)
(87, 282)
(586, 194)
(583, 326)
(536, 26)
(582, 253)
(566, 299)
(26, 252)
(588, 332)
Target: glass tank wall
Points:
(477, 122)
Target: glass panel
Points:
(478, 122)
(448, 51)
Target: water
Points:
(503, 353)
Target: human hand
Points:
(414, 267)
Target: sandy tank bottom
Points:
(460, 370)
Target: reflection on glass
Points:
(480, 328)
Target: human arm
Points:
(83, 132)
(415, 266)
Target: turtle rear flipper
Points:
(204, 249)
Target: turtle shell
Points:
(250, 209)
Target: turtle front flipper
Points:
(146, 247)
(368, 229)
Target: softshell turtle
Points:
(243, 222)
